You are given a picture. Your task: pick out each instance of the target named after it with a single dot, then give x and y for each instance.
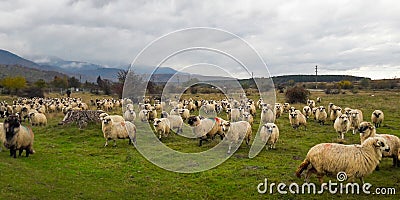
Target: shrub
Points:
(297, 95)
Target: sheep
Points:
(143, 115)
(357, 161)
(162, 127)
(355, 119)
(335, 112)
(115, 118)
(278, 110)
(233, 115)
(367, 130)
(117, 130)
(2, 136)
(311, 103)
(235, 131)
(377, 118)
(342, 125)
(330, 105)
(286, 107)
(175, 121)
(248, 118)
(206, 128)
(318, 99)
(251, 109)
(38, 119)
(314, 112)
(297, 119)
(321, 116)
(129, 115)
(307, 111)
(18, 137)
(185, 113)
(267, 115)
(269, 134)
(152, 114)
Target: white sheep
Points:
(330, 105)
(38, 119)
(115, 118)
(116, 130)
(355, 119)
(248, 118)
(174, 111)
(321, 115)
(286, 107)
(318, 99)
(311, 103)
(297, 119)
(342, 125)
(267, 115)
(162, 127)
(269, 134)
(377, 118)
(278, 110)
(357, 161)
(307, 112)
(152, 114)
(234, 114)
(129, 115)
(143, 115)
(367, 130)
(175, 121)
(235, 131)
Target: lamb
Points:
(117, 130)
(321, 116)
(143, 115)
(162, 127)
(377, 118)
(357, 161)
(38, 119)
(269, 134)
(367, 130)
(236, 131)
(185, 113)
(248, 118)
(355, 119)
(297, 119)
(175, 121)
(267, 115)
(206, 128)
(130, 115)
(307, 111)
(336, 111)
(18, 137)
(342, 125)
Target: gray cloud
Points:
(291, 36)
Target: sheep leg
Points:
(106, 144)
(27, 152)
(115, 143)
(20, 152)
(230, 147)
(395, 160)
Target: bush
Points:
(297, 95)
(31, 92)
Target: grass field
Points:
(73, 164)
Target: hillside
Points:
(30, 74)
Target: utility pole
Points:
(316, 75)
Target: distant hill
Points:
(311, 78)
(8, 58)
(30, 74)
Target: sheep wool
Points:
(269, 134)
(357, 161)
(236, 131)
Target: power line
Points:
(316, 76)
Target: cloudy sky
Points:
(357, 37)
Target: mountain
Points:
(8, 58)
(30, 74)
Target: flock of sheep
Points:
(356, 160)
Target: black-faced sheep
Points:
(335, 112)
(152, 114)
(236, 131)
(269, 133)
(307, 112)
(357, 161)
(185, 113)
(18, 137)
(367, 130)
(286, 107)
(297, 119)
(342, 125)
(377, 118)
(38, 119)
(321, 115)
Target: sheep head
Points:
(366, 130)
(10, 124)
(193, 120)
(156, 122)
(107, 120)
(270, 127)
(381, 144)
(225, 126)
(293, 115)
(344, 119)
